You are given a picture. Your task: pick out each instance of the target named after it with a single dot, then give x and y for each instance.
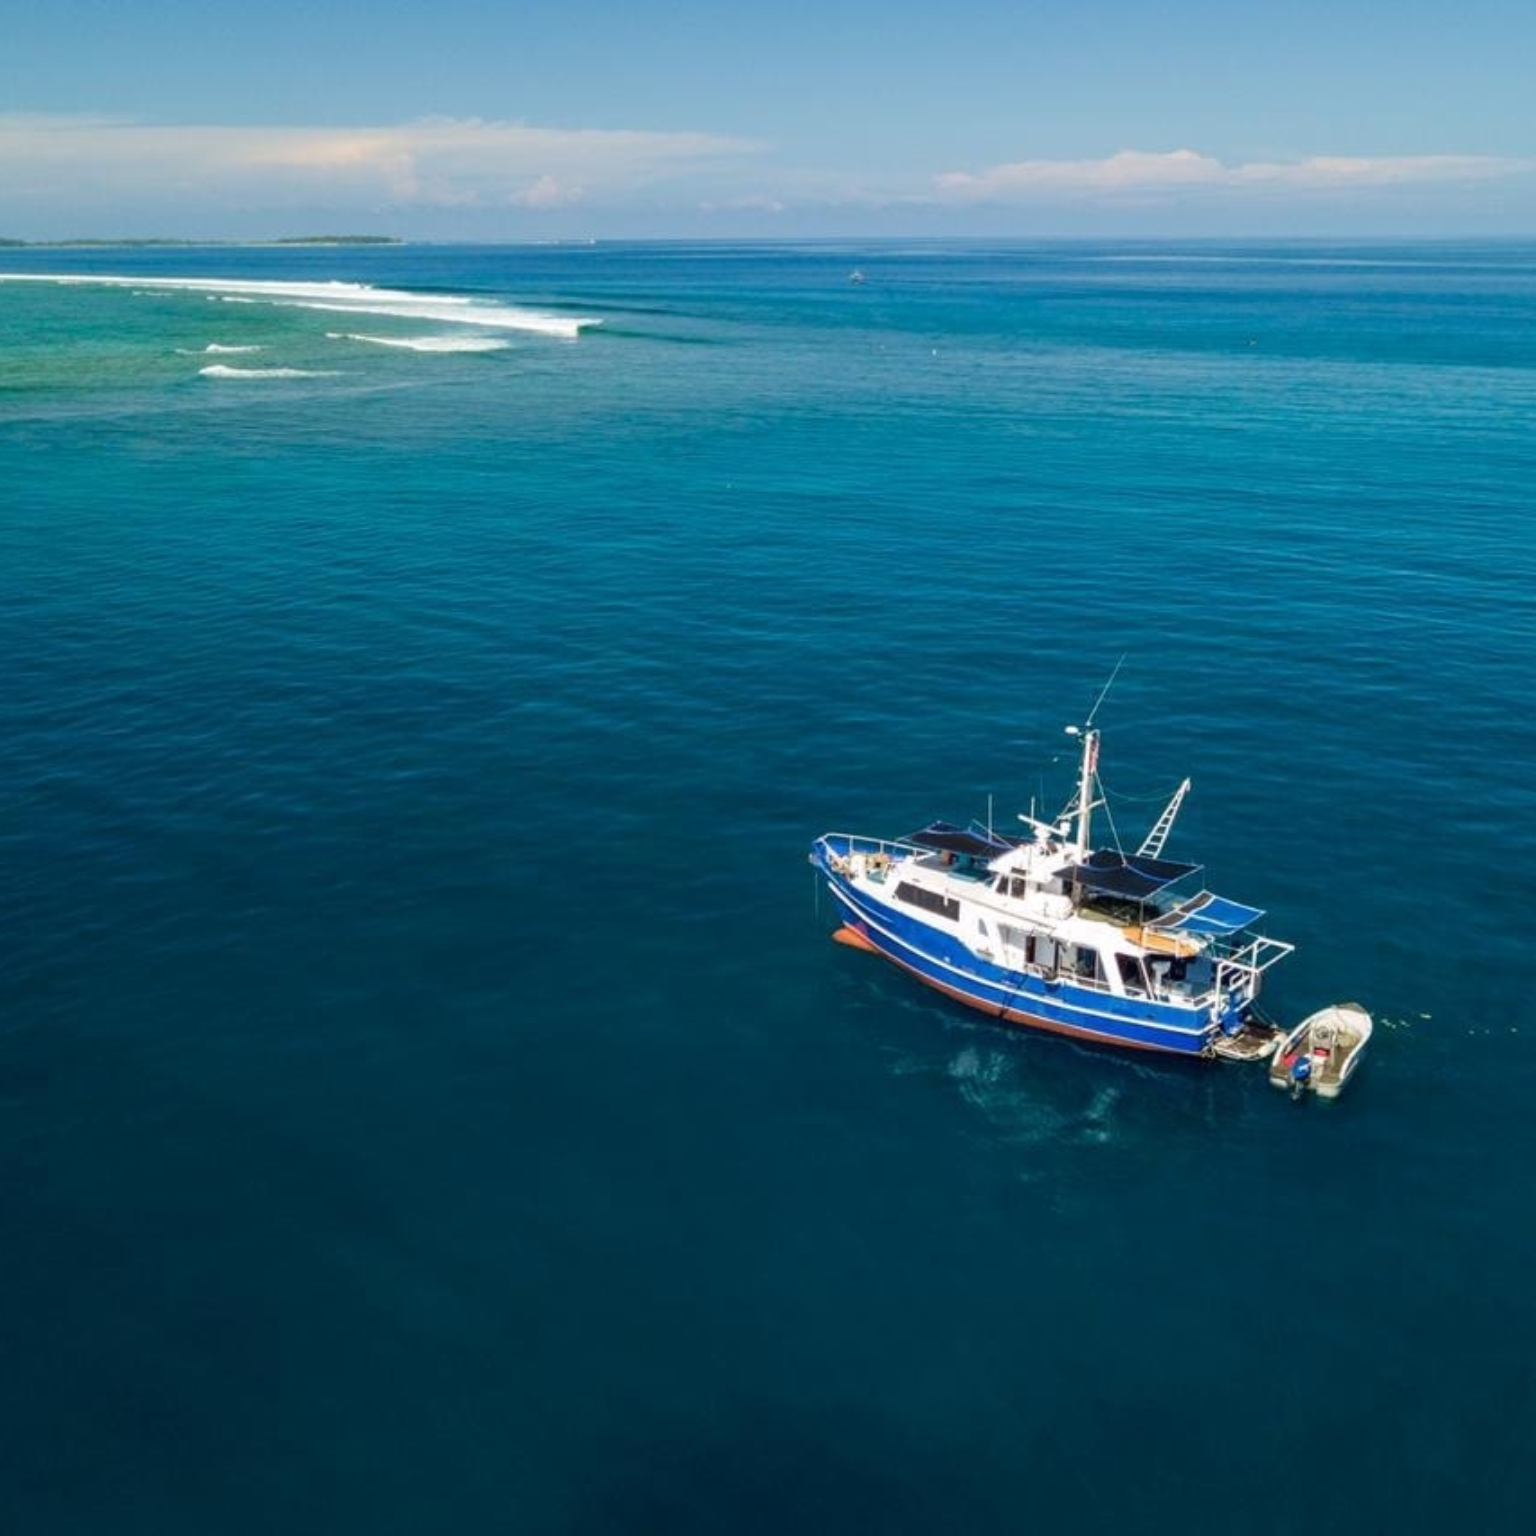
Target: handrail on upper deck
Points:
(858, 842)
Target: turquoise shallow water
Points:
(428, 1097)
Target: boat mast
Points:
(1090, 765)
(1085, 786)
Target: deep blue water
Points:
(429, 1099)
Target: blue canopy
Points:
(1208, 914)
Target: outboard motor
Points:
(1301, 1074)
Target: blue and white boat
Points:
(1049, 932)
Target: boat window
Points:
(929, 901)
(1130, 973)
(1086, 963)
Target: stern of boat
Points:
(1254, 1039)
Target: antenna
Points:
(1042, 828)
(1104, 692)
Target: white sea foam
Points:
(213, 346)
(428, 343)
(447, 310)
(224, 371)
(342, 298)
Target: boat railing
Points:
(1233, 971)
(1255, 957)
(848, 843)
(1239, 970)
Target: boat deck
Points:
(1328, 1066)
(1255, 1041)
(960, 869)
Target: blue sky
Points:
(464, 119)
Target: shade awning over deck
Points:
(1208, 914)
(1129, 875)
(945, 837)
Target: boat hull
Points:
(1013, 997)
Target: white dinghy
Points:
(1320, 1055)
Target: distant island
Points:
(285, 240)
(340, 240)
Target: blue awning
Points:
(1208, 914)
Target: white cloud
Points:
(1136, 173)
(69, 175)
(548, 192)
(1324, 171)
(752, 202)
(1128, 170)
(440, 162)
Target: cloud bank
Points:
(75, 174)
(438, 162)
(1137, 173)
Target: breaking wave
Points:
(213, 346)
(224, 371)
(428, 343)
(341, 298)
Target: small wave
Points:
(213, 346)
(224, 371)
(428, 343)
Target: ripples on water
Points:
(429, 1092)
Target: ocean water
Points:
(429, 1100)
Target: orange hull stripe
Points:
(853, 939)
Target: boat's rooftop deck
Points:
(959, 869)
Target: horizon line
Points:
(390, 241)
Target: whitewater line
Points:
(338, 298)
